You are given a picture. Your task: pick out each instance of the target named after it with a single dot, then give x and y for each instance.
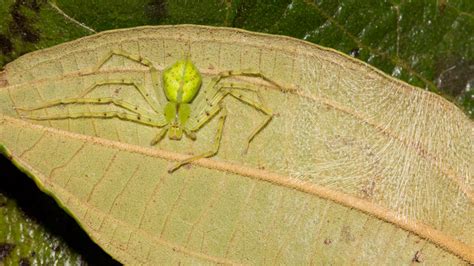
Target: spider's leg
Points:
(117, 102)
(136, 118)
(253, 73)
(200, 120)
(241, 86)
(215, 84)
(106, 100)
(155, 77)
(245, 73)
(257, 105)
(159, 136)
(215, 148)
(137, 86)
(233, 89)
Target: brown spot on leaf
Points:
(22, 25)
(56, 247)
(3, 79)
(368, 190)
(5, 250)
(327, 241)
(6, 45)
(241, 11)
(156, 10)
(2, 204)
(454, 74)
(347, 235)
(355, 52)
(418, 257)
(33, 4)
(24, 262)
(442, 6)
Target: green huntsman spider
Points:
(181, 83)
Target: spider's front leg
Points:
(155, 76)
(140, 115)
(136, 118)
(127, 82)
(105, 100)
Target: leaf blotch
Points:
(24, 15)
(6, 45)
(454, 74)
(156, 10)
(24, 262)
(5, 250)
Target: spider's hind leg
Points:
(235, 89)
(246, 73)
(269, 114)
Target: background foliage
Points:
(425, 43)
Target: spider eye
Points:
(181, 81)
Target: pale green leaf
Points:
(355, 166)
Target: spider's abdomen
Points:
(181, 81)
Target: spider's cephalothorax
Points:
(181, 84)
